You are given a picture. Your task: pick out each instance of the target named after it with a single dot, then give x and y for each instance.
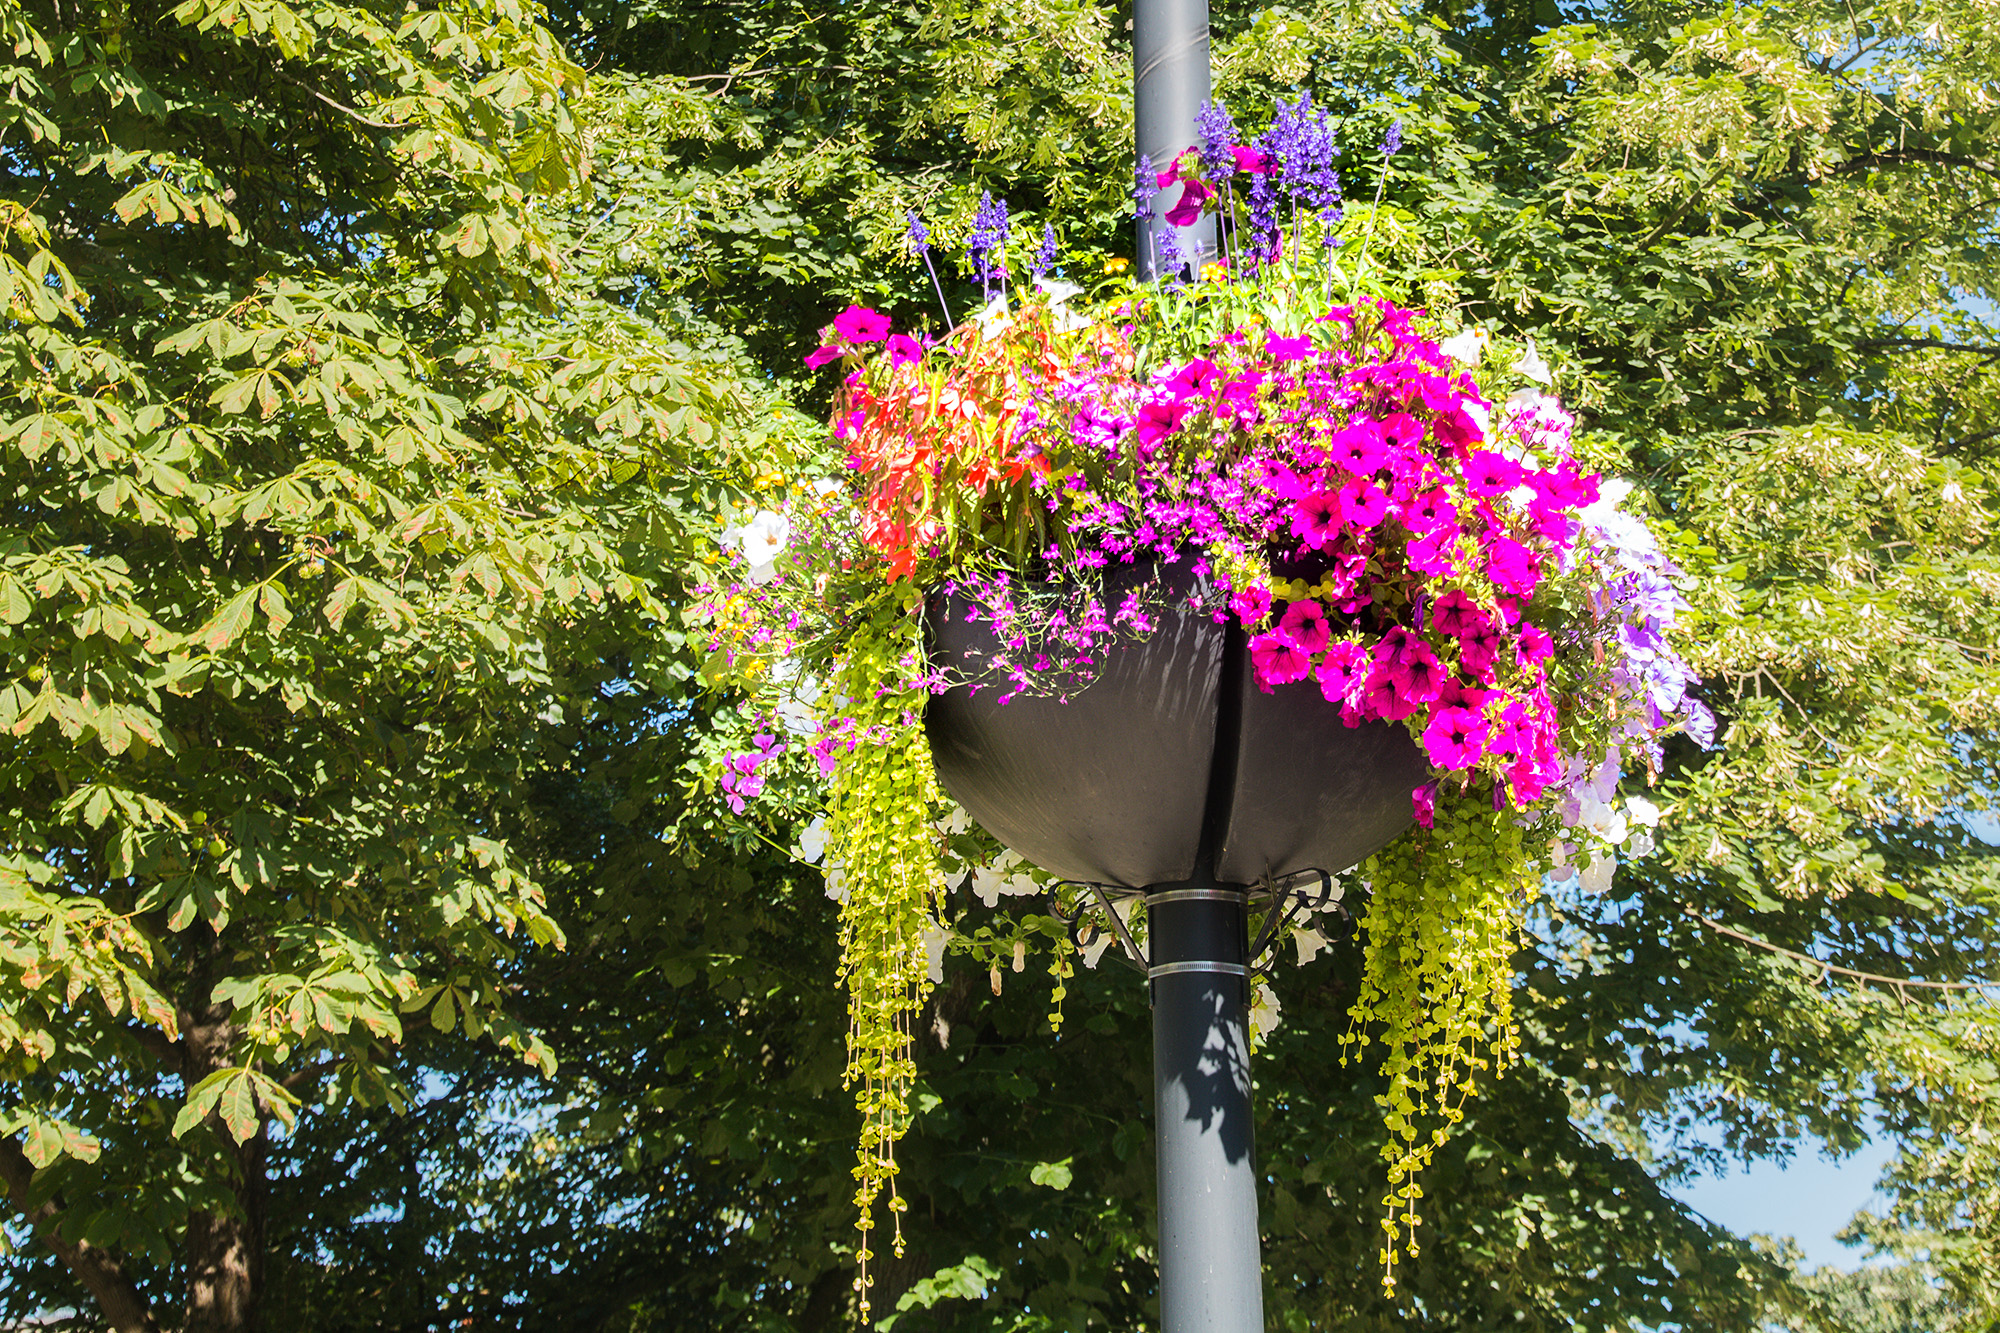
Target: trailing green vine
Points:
(879, 828)
(1442, 924)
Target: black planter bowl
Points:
(1171, 739)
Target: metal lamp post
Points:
(1211, 1262)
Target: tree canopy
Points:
(377, 378)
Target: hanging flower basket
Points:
(1054, 545)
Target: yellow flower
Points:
(1214, 272)
(1117, 265)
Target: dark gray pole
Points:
(1211, 1264)
(1169, 84)
(1211, 1270)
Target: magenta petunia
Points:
(1343, 671)
(1488, 473)
(1457, 615)
(1277, 660)
(1513, 566)
(1424, 803)
(1288, 349)
(1479, 651)
(1358, 448)
(1456, 738)
(1534, 646)
(1431, 512)
(1316, 519)
(905, 350)
(1251, 604)
(1249, 160)
(1306, 623)
(820, 355)
(858, 324)
(1362, 503)
(1187, 211)
(1381, 699)
(1432, 554)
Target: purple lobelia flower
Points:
(989, 235)
(1044, 257)
(1218, 136)
(1144, 188)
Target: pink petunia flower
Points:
(905, 350)
(1316, 519)
(1431, 512)
(1250, 161)
(1277, 660)
(858, 324)
(1513, 566)
(1362, 503)
(1488, 473)
(1358, 448)
(1457, 615)
(1288, 349)
(1306, 623)
(1424, 804)
(1456, 739)
(1534, 647)
(820, 355)
(1343, 671)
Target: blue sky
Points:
(1808, 1199)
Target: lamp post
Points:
(1169, 84)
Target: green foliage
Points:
(1443, 917)
(326, 494)
(878, 828)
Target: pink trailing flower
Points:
(1457, 615)
(822, 354)
(1424, 803)
(1362, 504)
(1343, 671)
(905, 351)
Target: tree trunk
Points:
(99, 1270)
(224, 1249)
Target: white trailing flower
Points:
(812, 842)
(1531, 366)
(1466, 347)
(1264, 1011)
(935, 938)
(1003, 879)
(1309, 942)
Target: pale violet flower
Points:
(1531, 366)
(1466, 347)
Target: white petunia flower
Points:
(993, 318)
(1309, 942)
(1264, 1012)
(812, 842)
(1057, 291)
(1466, 347)
(1597, 875)
(1531, 366)
(935, 938)
(1093, 952)
(1642, 811)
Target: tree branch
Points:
(1904, 155)
(1900, 985)
(1934, 344)
(98, 1270)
